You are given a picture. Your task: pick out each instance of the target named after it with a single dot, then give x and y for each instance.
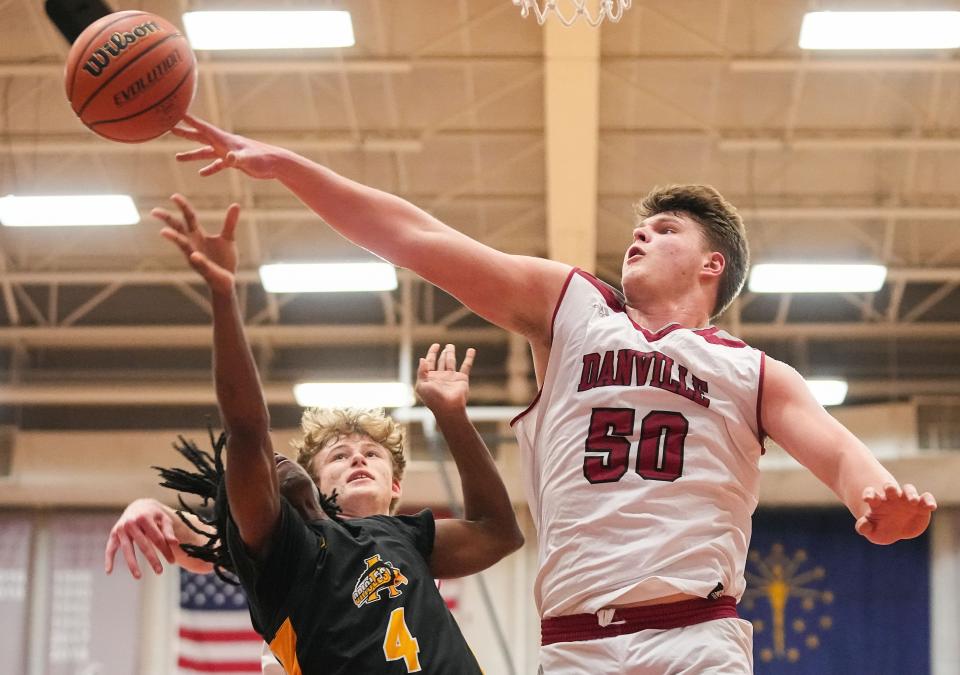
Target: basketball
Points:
(130, 76)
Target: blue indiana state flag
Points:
(822, 599)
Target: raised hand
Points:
(895, 513)
(147, 524)
(440, 385)
(214, 257)
(225, 150)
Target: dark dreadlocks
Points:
(208, 483)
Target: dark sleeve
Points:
(421, 529)
(295, 550)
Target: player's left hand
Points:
(212, 256)
(440, 385)
(894, 513)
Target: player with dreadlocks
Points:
(208, 520)
(354, 593)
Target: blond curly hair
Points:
(321, 426)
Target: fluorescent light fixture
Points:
(801, 278)
(356, 394)
(828, 392)
(327, 277)
(880, 30)
(67, 210)
(269, 30)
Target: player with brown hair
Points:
(356, 592)
(642, 448)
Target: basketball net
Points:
(570, 11)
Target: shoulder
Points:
(587, 284)
(405, 522)
(418, 528)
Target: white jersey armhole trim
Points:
(553, 321)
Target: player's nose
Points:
(641, 235)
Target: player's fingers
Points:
(431, 357)
(110, 552)
(166, 528)
(911, 494)
(168, 218)
(181, 241)
(892, 491)
(186, 208)
(146, 548)
(927, 500)
(468, 361)
(152, 531)
(206, 152)
(230, 222)
(183, 131)
(201, 125)
(869, 493)
(449, 357)
(422, 368)
(864, 525)
(213, 167)
(126, 547)
(200, 263)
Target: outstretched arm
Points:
(517, 293)
(885, 511)
(251, 477)
(488, 530)
(155, 528)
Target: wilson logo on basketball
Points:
(112, 48)
(378, 577)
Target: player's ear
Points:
(395, 488)
(713, 264)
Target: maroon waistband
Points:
(579, 627)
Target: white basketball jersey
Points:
(641, 457)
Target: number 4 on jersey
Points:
(399, 644)
(659, 453)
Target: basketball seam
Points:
(120, 72)
(149, 108)
(73, 80)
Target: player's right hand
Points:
(440, 384)
(149, 525)
(226, 150)
(213, 257)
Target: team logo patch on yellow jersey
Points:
(378, 577)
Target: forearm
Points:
(378, 221)
(251, 476)
(517, 293)
(486, 502)
(239, 393)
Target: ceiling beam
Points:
(572, 110)
(251, 276)
(172, 336)
(157, 393)
(202, 393)
(319, 335)
(403, 65)
(414, 140)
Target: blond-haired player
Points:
(642, 447)
(352, 592)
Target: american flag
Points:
(215, 635)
